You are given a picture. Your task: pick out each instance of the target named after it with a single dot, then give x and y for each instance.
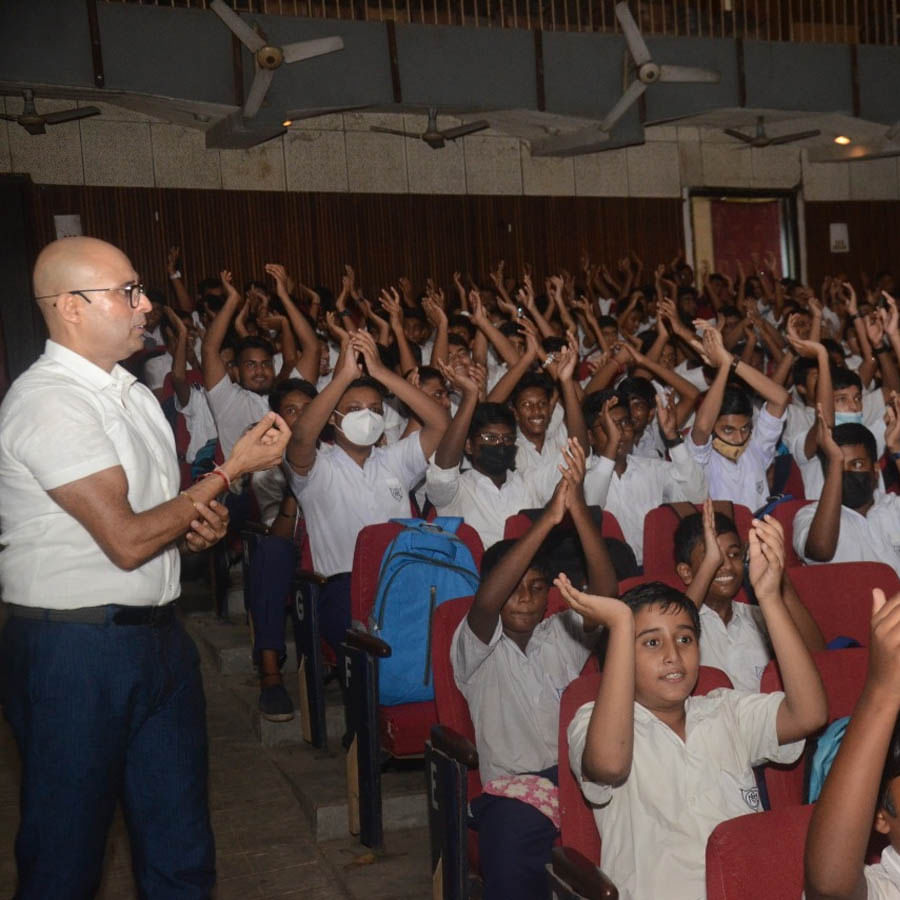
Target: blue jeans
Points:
(104, 713)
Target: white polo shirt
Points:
(62, 420)
(744, 481)
(644, 485)
(513, 697)
(235, 409)
(740, 648)
(656, 823)
(555, 438)
(874, 537)
(481, 503)
(883, 878)
(339, 498)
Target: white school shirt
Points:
(481, 503)
(740, 648)
(339, 498)
(62, 420)
(655, 825)
(874, 537)
(198, 420)
(744, 481)
(235, 409)
(644, 485)
(883, 878)
(650, 444)
(693, 374)
(555, 438)
(155, 370)
(513, 697)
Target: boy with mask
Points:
(344, 487)
(486, 494)
(852, 521)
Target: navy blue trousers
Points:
(103, 713)
(514, 845)
(271, 581)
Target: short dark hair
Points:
(429, 373)
(253, 342)
(689, 533)
(290, 386)
(510, 329)
(458, 320)
(491, 414)
(496, 552)
(890, 772)
(209, 284)
(851, 433)
(366, 381)
(457, 340)
(657, 593)
(833, 346)
(636, 387)
(736, 402)
(592, 406)
(415, 312)
(844, 378)
(607, 322)
(532, 380)
(554, 343)
(801, 368)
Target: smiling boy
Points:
(663, 768)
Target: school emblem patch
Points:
(751, 798)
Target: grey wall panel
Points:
(673, 101)
(46, 41)
(815, 77)
(171, 52)
(474, 68)
(582, 73)
(879, 83)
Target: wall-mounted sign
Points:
(67, 226)
(839, 237)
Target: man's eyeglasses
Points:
(493, 440)
(132, 293)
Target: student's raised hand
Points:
(459, 378)
(337, 331)
(573, 472)
(874, 330)
(476, 308)
(766, 557)
(567, 359)
(884, 645)
(606, 611)
(712, 552)
(363, 343)
(713, 347)
(892, 423)
(228, 283)
(803, 347)
(434, 312)
(825, 438)
(347, 366)
(390, 302)
(172, 260)
(611, 429)
(666, 415)
(889, 317)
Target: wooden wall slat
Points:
(382, 236)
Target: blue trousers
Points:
(514, 845)
(271, 579)
(103, 713)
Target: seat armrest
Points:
(368, 643)
(577, 871)
(451, 743)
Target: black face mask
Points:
(496, 459)
(857, 489)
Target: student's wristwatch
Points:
(669, 443)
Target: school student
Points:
(852, 520)
(662, 768)
(733, 451)
(512, 665)
(863, 786)
(709, 560)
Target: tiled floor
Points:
(263, 843)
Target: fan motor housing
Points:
(269, 57)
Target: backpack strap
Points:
(449, 524)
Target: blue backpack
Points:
(819, 764)
(425, 565)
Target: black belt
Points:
(99, 615)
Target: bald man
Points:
(101, 684)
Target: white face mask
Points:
(362, 427)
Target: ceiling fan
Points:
(648, 72)
(434, 136)
(34, 123)
(269, 57)
(761, 139)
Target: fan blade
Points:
(241, 30)
(633, 37)
(382, 130)
(258, 92)
(625, 102)
(34, 127)
(797, 136)
(69, 115)
(689, 74)
(451, 134)
(739, 135)
(308, 49)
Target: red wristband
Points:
(225, 479)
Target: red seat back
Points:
(659, 534)
(758, 855)
(839, 595)
(843, 675)
(371, 544)
(577, 827)
(518, 524)
(785, 513)
(794, 483)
